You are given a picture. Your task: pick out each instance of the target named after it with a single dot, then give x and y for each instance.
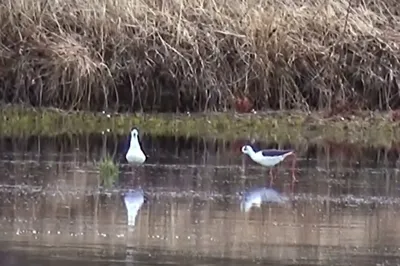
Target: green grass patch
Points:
(109, 171)
(373, 129)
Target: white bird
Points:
(135, 155)
(270, 158)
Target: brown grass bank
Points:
(178, 55)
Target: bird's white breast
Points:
(135, 156)
(268, 161)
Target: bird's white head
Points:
(134, 137)
(134, 133)
(247, 149)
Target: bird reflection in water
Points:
(134, 200)
(257, 196)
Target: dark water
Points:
(343, 211)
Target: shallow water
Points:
(343, 210)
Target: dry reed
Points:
(198, 55)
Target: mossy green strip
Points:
(375, 129)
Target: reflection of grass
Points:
(108, 171)
(371, 129)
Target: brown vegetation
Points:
(172, 55)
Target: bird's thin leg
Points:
(292, 187)
(294, 159)
(271, 182)
(275, 171)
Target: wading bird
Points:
(135, 155)
(271, 158)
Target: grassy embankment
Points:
(167, 56)
(363, 129)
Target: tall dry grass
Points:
(168, 55)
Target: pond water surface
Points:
(196, 202)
